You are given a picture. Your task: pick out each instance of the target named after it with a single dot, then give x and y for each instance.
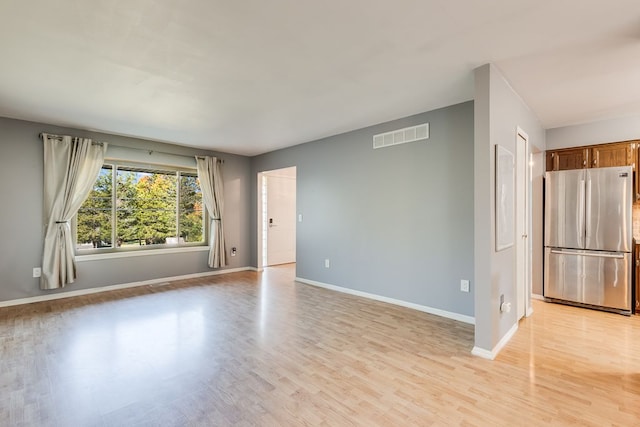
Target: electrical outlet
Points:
(327, 264)
(299, 217)
(234, 251)
(37, 272)
(464, 285)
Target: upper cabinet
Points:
(595, 156)
(618, 154)
(571, 158)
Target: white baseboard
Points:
(442, 313)
(481, 352)
(491, 354)
(537, 296)
(161, 280)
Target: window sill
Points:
(129, 254)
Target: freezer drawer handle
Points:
(618, 256)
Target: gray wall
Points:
(594, 133)
(498, 112)
(21, 219)
(397, 221)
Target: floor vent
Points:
(401, 136)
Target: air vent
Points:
(401, 136)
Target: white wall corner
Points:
(481, 352)
(491, 355)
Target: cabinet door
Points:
(635, 147)
(574, 158)
(551, 156)
(607, 155)
(637, 279)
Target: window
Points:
(133, 207)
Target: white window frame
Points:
(143, 250)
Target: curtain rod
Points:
(202, 157)
(62, 136)
(130, 148)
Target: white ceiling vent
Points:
(401, 136)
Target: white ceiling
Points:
(252, 76)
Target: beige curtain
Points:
(71, 167)
(212, 193)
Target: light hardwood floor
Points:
(248, 349)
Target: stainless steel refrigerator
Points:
(588, 237)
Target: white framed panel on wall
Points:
(505, 198)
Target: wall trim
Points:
(481, 352)
(491, 355)
(537, 296)
(438, 312)
(80, 292)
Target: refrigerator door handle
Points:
(581, 215)
(588, 209)
(592, 254)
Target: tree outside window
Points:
(148, 207)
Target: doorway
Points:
(277, 217)
(523, 225)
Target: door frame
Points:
(524, 262)
(261, 218)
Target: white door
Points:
(522, 224)
(280, 216)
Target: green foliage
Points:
(126, 196)
(145, 210)
(190, 209)
(94, 217)
(156, 208)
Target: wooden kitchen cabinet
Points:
(617, 154)
(636, 171)
(594, 156)
(570, 158)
